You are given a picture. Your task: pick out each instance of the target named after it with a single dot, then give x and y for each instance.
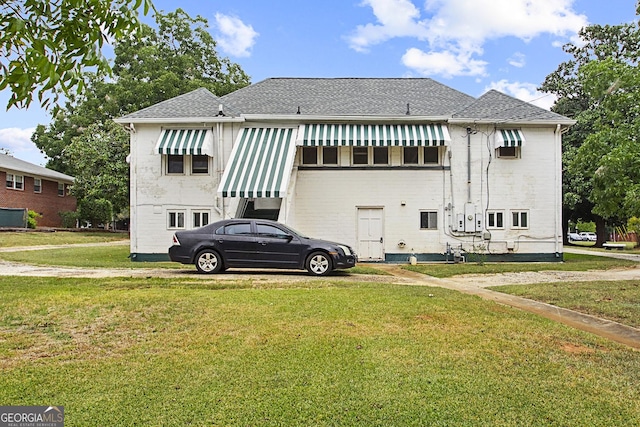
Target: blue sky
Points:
(470, 45)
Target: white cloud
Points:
(517, 60)
(235, 37)
(524, 91)
(446, 64)
(463, 27)
(395, 18)
(18, 143)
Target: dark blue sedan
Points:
(257, 243)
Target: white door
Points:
(370, 234)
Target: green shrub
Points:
(69, 218)
(32, 220)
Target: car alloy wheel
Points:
(208, 261)
(319, 264)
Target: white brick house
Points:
(393, 167)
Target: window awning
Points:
(260, 164)
(433, 134)
(185, 142)
(509, 138)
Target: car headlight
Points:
(345, 249)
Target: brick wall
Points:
(47, 203)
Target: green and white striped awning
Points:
(185, 142)
(509, 138)
(407, 135)
(260, 164)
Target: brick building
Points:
(35, 188)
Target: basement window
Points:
(175, 219)
(508, 152)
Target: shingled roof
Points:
(386, 97)
(496, 106)
(348, 96)
(198, 103)
(12, 164)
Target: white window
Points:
(15, 182)
(360, 155)
(199, 164)
(60, 189)
(175, 219)
(495, 219)
(309, 155)
(200, 218)
(175, 164)
(421, 155)
(428, 220)
(37, 185)
(380, 155)
(519, 219)
(330, 155)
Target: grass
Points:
(113, 257)
(32, 238)
(89, 257)
(572, 262)
(156, 352)
(618, 301)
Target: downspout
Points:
(133, 188)
(468, 165)
(218, 162)
(558, 189)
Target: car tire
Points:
(208, 261)
(319, 264)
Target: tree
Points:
(100, 168)
(596, 87)
(157, 64)
(45, 45)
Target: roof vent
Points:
(408, 111)
(298, 112)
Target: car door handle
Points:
(263, 243)
(381, 240)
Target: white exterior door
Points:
(370, 234)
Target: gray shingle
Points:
(348, 96)
(16, 165)
(497, 106)
(197, 103)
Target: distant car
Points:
(256, 243)
(574, 237)
(589, 236)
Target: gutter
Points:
(298, 118)
(169, 120)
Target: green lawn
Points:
(37, 238)
(618, 301)
(112, 257)
(572, 262)
(153, 352)
(90, 257)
